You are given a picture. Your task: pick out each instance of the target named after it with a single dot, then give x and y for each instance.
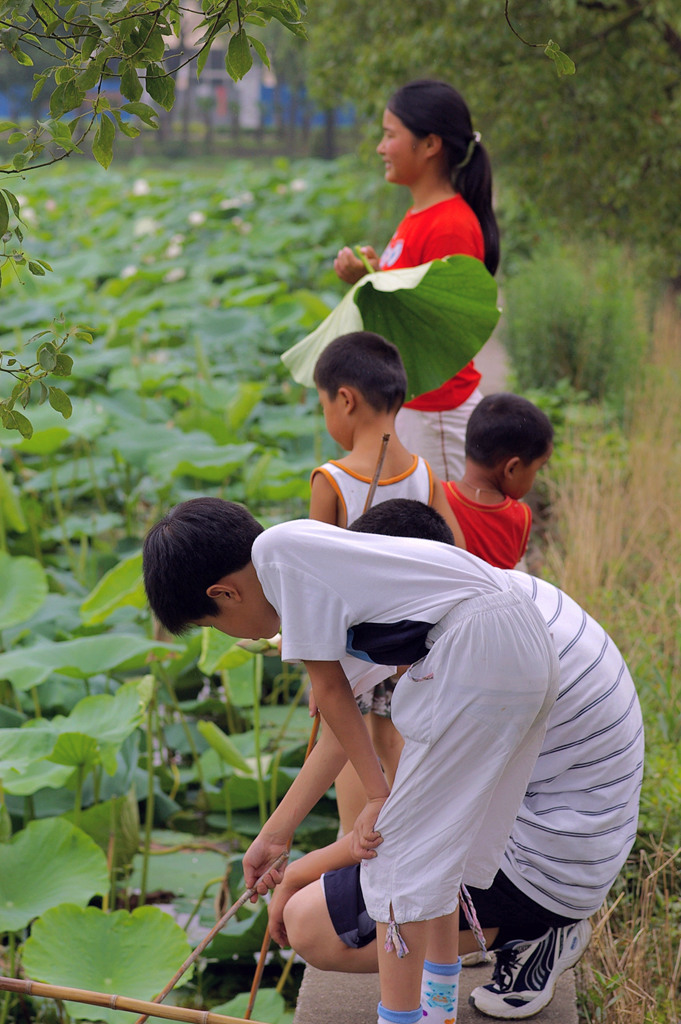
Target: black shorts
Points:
(502, 906)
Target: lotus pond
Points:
(135, 768)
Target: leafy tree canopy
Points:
(76, 49)
(600, 149)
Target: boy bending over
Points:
(472, 708)
(573, 832)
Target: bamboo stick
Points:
(377, 472)
(245, 896)
(111, 1002)
(260, 966)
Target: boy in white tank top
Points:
(362, 384)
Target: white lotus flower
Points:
(175, 274)
(145, 226)
(128, 271)
(141, 187)
(196, 217)
(173, 251)
(298, 185)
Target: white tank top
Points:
(352, 489)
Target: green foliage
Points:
(80, 51)
(599, 149)
(193, 286)
(573, 315)
(119, 953)
(48, 863)
(46, 359)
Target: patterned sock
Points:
(440, 992)
(386, 1016)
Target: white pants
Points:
(438, 437)
(473, 717)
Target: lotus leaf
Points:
(29, 666)
(270, 1006)
(220, 652)
(10, 505)
(21, 747)
(122, 585)
(119, 953)
(439, 315)
(182, 872)
(38, 775)
(223, 746)
(205, 462)
(47, 863)
(118, 817)
(24, 588)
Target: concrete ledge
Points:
(327, 997)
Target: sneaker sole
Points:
(497, 1008)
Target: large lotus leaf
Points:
(119, 953)
(439, 315)
(87, 656)
(47, 863)
(38, 775)
(182, 872)
(137, 446)
(270, 1006)
(210, 462)
(107, 718)
(24, 588)
(21, 747)
(122, 585)
(120, 817)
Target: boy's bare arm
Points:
(323, 501)
(338, 707)
(314, 779)
(441, 505)
(302, 872)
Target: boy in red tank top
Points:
(508, 439)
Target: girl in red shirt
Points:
(429, 145)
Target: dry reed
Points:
(614, 544)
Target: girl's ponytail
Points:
(473, 179)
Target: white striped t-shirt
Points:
(578, 820)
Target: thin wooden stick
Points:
(377, 472)
(260, 966)
(82, 995)
(245, 896)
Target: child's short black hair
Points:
(195, 544)
(504, 426)
(404, 517)
(365, 361)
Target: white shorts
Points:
(438, 437)
(473, 716)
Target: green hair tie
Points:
(469, 152)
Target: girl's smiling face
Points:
(401, 151)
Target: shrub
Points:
(575, 315)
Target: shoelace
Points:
(507, 960)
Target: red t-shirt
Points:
(497, 533)
(445, 229)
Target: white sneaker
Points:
(526, 972)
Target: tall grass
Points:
(614, 544)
